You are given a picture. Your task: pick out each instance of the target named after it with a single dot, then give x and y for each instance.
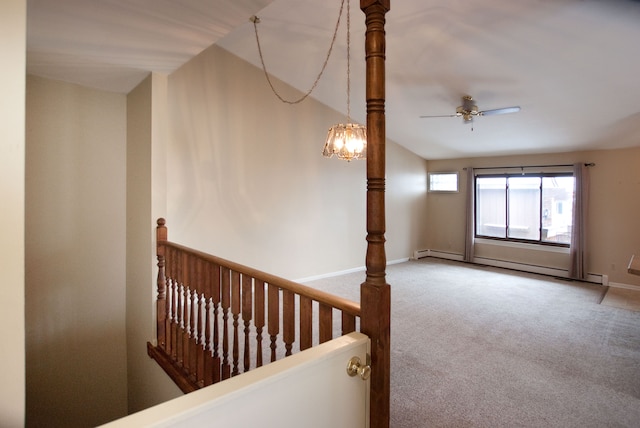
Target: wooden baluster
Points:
(215, 299)
(259, 319)
(288, 320)
(326, 323)
(208, 360)
(235, 311)
(273, 318)
(180, 307)
(193, 343)
(161, 302)
(348, 323)
(203, 355)
(193, 318)
(186, 329)
(169, 282)
(175, 327)
(175, 321)
(180, 327)
(169, 303)
(205, 292)
(247, 302)
(226, 304)
(201, 344)
(175, 290)
(306, 323)
(168, 319)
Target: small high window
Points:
(443, 181)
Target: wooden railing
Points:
(216, 318)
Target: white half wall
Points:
(13, 24)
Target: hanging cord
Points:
(348, 62)
(256, 21)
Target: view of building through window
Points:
(525, 207)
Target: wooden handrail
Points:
(345, 305)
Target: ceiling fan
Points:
(468, 110)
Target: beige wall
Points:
(147, 383)
(12, 193)
(75, 254)
(247, 181)
(198, 141)
(196, 152)
(613, 208)
(406, 203)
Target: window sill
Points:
(523, 245)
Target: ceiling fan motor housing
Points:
(467, 110)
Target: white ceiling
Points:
(571, 65)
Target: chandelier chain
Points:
(348, 61)
(256, 20)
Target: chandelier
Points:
(345, 140)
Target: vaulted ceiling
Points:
(571, 65)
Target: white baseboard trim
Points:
(594, 278)
(329, 275)
(346, 271)
(542, 270)
(625, 286)
(523, 267)
(394, 262)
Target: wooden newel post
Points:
(375, 293)
(161, 303)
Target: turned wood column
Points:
(375, 293)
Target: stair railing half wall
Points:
(217, 319)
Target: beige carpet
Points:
(622, 298)
(475, 346)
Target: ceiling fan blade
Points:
(443, 115)
(504, 110)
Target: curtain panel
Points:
(577, 267)
(470, 217)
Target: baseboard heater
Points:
(523, 267)
(420, 254)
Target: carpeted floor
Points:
(476, 346)
(622, 298)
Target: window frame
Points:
(431, 190)
(541, 175)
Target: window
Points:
(525, 208)
(443, 181)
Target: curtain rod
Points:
(530, 166)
